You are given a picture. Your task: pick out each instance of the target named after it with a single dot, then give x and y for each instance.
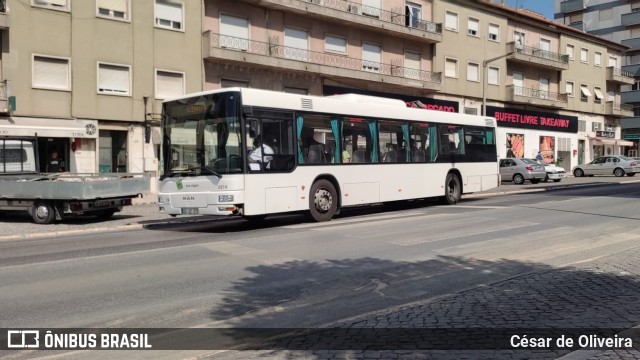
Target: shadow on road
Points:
(517, 297)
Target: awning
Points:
(48, 127)
(599, 95)
(624, 143)
(585, 91)
(603, 141)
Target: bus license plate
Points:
(190, 211)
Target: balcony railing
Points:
(397, 16)
(614, 108)
(633, 43)
(572, 5)
(629, 19)
(538, 53)
(616, 74)
(539, 94)
(274, 49)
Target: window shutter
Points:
(473, 27)
(451, 21)
(51, 73)
(113, 79)
(494, 32)
(170, 10)
(234, 27)
(115, 5)
(472, 72)
(169, 84)
(371, 57)
(493, 75)
(450, 68)
(335, 44)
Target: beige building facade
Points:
(88, 77)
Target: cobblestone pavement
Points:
(604, 293)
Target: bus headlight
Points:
(225, 198)
(164, 199)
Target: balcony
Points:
(536, 57)
(537, 97)
(273, 55)
(356, 14)
(617, 109)
(568, 6)
(632, 122)
(580, 25)
(632, 18)
(633, 44)
(4, 19)
(630, 97)
(619, 76)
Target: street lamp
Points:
(484, 79)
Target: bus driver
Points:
(256, 155)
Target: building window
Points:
(584, 92)
(569, 88)
(51, 73)
(296, 43)
(473, 27)
(451, 68)
(335, 44)
(414, 15)
(493, 75)
(62, 5)
(494, 32)
(518, 39)
(598, 95)
(451, 21)
(114, 79)
(584, 55)
(596, 126)
(169, 84)
(113, 9)
(371, 57)
(412, 65)
(227, 83)
(234, 32)
(597, 59)
(570, 51)
(169, 14)
(582, 125)
(295, 90)
(472, 72)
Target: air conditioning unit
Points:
(354, 9)
(317, 2)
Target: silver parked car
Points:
(617, 165)
(554, 172)
(519, 170)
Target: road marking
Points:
(352, 220)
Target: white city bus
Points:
(250, 152)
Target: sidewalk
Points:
(18, 225)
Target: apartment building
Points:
(433, 51)
(617, 21)
(88, 77)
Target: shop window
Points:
(112, 151)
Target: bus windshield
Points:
(201, 136)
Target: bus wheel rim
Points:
(323, 200)
(452, 189)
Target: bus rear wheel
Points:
(323, 201)
(452, 190)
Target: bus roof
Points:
(347, 104)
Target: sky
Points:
(544, 7)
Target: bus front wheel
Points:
(323, 201)
(452, 190)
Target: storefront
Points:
(604, 143)
(523, 133)
(74, 140)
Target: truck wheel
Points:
(43, 213)
(323, 201)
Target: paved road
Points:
(524, 260)
(15, 225)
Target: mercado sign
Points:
(535, 120)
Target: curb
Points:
(70, 232)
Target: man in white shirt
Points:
(255, 156)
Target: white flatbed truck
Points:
(53, 196)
